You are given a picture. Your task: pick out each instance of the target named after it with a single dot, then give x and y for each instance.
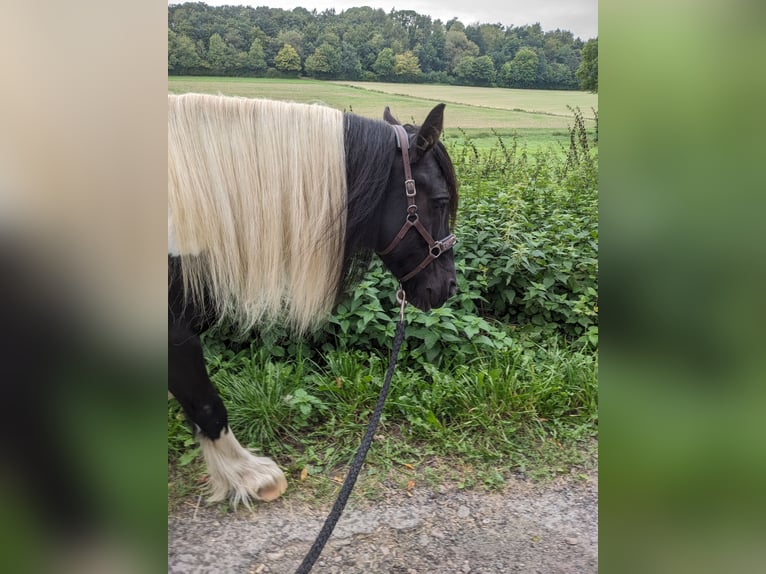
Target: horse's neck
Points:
(370, 150)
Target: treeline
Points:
(372, 45)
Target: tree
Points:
(217, 55)
(475, 71)
(504, 75)
(431, 56)
(587, 73)
(522, 71)
(490, 39)
(324, 62)
(292, 37)
(407, 67)
(370, 44)
(350, 66)
(172, 50)
(256, 58)
(457, 46)
(288, 61)
(370, 50)
(560, 77)
(484, 71)
(463, 70)
(182, 55)
(384, 64)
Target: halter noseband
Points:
(435, 248)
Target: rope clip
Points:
(401, 298)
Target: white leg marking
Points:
(237, 473)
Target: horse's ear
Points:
(389, 118)
(428, 133)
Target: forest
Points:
(371, 45)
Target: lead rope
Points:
(361, 453)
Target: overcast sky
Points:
(578, 16)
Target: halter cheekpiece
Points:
(435, 248)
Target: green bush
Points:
(528, 229)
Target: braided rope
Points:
(361, 453)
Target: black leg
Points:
(233, 470)
(190, 384)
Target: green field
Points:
(540, 117)
(531, 102)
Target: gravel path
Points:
(532, 528)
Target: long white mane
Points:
(256, 206)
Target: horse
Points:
(274, 210)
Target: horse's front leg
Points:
(234, 472)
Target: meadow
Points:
(542, 117)
(500, 381)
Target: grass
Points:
(472, 425)
(551, 102)
(507, 111)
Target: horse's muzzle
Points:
(432, 298)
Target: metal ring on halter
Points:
(401, 298)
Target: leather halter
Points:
(435, 248)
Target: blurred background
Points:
(82, 295)
(683, 273)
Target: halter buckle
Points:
(409, 187)
(448, 242)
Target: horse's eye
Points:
(441, 203)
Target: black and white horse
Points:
(273, 208)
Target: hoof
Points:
(239, 475)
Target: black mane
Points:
(448, 170)
(370, 151)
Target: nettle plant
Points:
(453, 332)
(535, 265)
(529, 235)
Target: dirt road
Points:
(541, 528)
